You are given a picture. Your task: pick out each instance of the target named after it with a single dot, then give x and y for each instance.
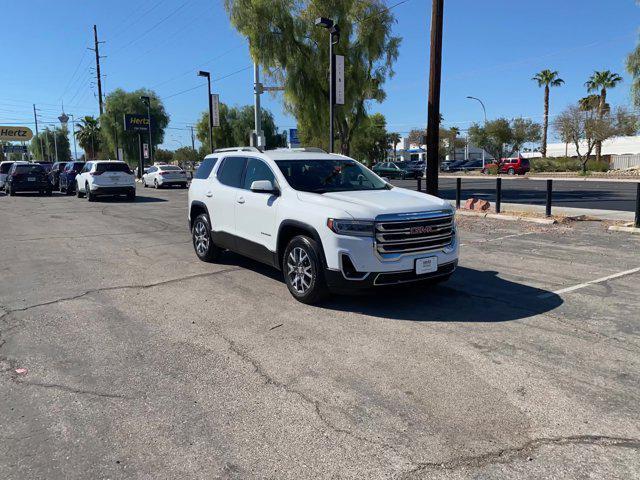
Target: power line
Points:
(203, 84)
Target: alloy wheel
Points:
(299, 270)
(201, 238)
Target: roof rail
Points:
(236, 149)
(301, 149)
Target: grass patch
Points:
(563, 164)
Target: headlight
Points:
(356, 228)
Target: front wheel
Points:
(144, 183)
(511, 171)
(155, 184)
(202, 243)
(90, 196)
(303, 271)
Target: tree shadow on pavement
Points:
(469, 296)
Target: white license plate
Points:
(426, 265)
(31, 179)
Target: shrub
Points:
(564, 164)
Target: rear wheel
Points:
(511, 171)
(131, 196)
(202, 243)
(303, 271)
(155, 184)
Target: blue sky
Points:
(491, 50)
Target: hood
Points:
(368, 204)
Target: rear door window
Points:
(204, 170)
(230, 172)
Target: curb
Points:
(507, 217)
(619, 228)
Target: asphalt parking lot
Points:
(142, 362)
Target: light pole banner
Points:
(339, 95)
(215, 109)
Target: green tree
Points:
(294, 52)
(502, 138)
(186, 157)
(546, 79)
(89, 136)
(117, 104)
(591, 102)
(602, 81)
(236, 125)
(164, 156)
(371, 142)
(47, 136)
(453, 141)
(394, 139)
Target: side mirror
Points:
(263, 186)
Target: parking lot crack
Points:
(315, 404)
(508, 455)
(66, 388)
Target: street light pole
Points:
(435, 75)
(147, 101)
(485, 121)
(334, 38)
(202, 73)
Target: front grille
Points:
(413, 236)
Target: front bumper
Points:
(337, 282)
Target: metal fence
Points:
(620, 162)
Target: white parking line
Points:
(592, 282)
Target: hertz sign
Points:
(136, 123)
(16, 134)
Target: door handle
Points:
(240, 200)
(209, 193)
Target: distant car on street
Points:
(415, 169)
(453, 166)
(390, 170)
(165, 176)
(105, 177)
(67, 178)
(54, 174)
(471, 165)
(27, 177)
(510, 166)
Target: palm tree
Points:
(453, 132)
(394, 138)
(546, 79)
(88, 135)
(602, 81)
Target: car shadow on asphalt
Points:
(470, 295)
(139, 199)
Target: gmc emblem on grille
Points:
(420, 230)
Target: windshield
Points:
(321, 176)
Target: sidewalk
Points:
(613, 215)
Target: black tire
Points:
(49, 192)
(144, 183)
(79, 194)
(201, 239)
(87, 191)
(511, 171)
(68, 190)
(155, 183)
(131, 196)
(297, 267)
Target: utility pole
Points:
(35, 118)
(96, 49)
(257, 88)
(193, 140)
(435, 71)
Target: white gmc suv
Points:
(325, 220)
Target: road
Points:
(143, 362)
(619, 196)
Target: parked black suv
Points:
(27, 177)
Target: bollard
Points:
(458, 191)
(419, 184)
(498, 194)
(549, 196)
(637, 223)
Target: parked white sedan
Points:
(164, 176)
